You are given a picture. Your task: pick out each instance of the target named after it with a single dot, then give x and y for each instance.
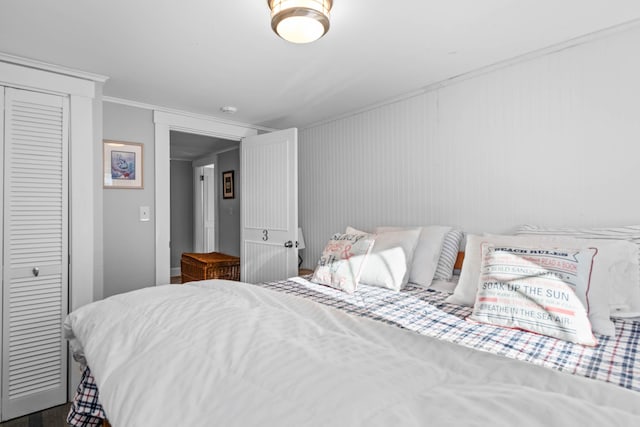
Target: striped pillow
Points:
(629, 233)
(448, 255)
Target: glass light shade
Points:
(300, 239)
(300, 21)
(300, 29)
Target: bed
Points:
(295, 352)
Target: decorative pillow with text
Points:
(601, 276)
(342, 261)
(542, 290)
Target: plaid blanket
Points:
(86, 409)
(614, 359)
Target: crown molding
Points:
(198, 116)
(58, 69)
(549, 50)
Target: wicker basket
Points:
(213, 265)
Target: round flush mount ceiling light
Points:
(300, 21)
(228, 109)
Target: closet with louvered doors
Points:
(34, 249)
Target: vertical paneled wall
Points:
(553, 140)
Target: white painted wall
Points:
(229, 209)
(553, 140)
(129, 259)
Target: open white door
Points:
(269, 206)
(204, 209)
(209, 209)
(198, 209)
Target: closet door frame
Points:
(2, 91)
(85, 179)
(35, 282)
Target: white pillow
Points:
(390, 260)
(342, 261)
(542, 290)
(427, 253)
(604, 271)
(625, 290)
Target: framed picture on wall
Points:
(122, 164)
(227, 185)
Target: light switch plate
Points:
(144, 213)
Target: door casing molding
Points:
(164, 123)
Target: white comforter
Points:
(221, 353)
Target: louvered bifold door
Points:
(35, 254)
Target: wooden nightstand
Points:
(304, 272)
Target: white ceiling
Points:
(199, 55)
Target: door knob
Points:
(36, 271)
(288, 244)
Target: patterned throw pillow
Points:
(342, 261)
(448, 255)
(542, 290)
(603, 270)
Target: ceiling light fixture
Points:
(300, 21)
(228, 109)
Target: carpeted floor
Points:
(52, 417)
